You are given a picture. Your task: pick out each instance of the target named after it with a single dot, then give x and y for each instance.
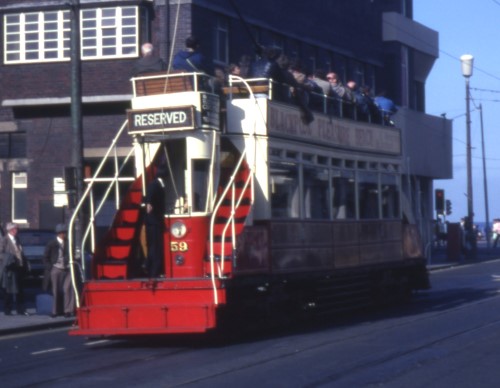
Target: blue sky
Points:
(467, 27)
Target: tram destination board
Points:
(161, 120)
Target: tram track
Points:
(99, 369)
(364, 364)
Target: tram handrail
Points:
(221, 199)
(230, 222)
(85, 195)
(229, 185)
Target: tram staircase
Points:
(116, 255)
(229, 217)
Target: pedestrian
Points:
(496, 231)
(56, 260)
(155, 223)
(14, 268)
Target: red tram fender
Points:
(148, 306)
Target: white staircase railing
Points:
(88, 233)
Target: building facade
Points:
(373, 42)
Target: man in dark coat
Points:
(56, 260)
(148, 63)
(191, 59)
(13, 268)
(155, 223)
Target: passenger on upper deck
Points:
(319, 77)
(301, 93)
(266, 66)
(316, 88)
(338, 89)
(386, 106)
(148, 63)
(234, 69)
(191, 59)
(340, 98)
(244, 65)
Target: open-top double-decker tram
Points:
(265, 215)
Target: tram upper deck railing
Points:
(155, 84)
(152, 84)
(313, 101)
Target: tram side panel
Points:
(295, 246)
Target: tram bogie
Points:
(265, 215)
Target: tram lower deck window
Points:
(285, 197)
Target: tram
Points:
(266, 216)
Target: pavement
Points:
(440, 257)
(37, 320)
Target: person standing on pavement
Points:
(57, 264)
(13, 269)
(496, 231)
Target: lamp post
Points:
(485, 182)
(76, 118)
(470, 238)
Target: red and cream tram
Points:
(265, 215)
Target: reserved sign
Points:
(178, 118)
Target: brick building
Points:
(374, 42)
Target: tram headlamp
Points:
(178, 229)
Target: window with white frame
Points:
(19, 196)
(36, 37)
(45, 36)
(109, 32)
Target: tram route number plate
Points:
(179, 246)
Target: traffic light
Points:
(439, 201)
(448, 207)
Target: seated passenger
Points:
(386, 106)
(365, 107)
(319, 78)
(234, 69)
(148, 63)
(191, 59)
(301, 92)
(289, 83)
(244, 65)
(340, 96)
(351, 91)
(374, 115)
(267, 66)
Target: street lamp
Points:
(470, 238)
